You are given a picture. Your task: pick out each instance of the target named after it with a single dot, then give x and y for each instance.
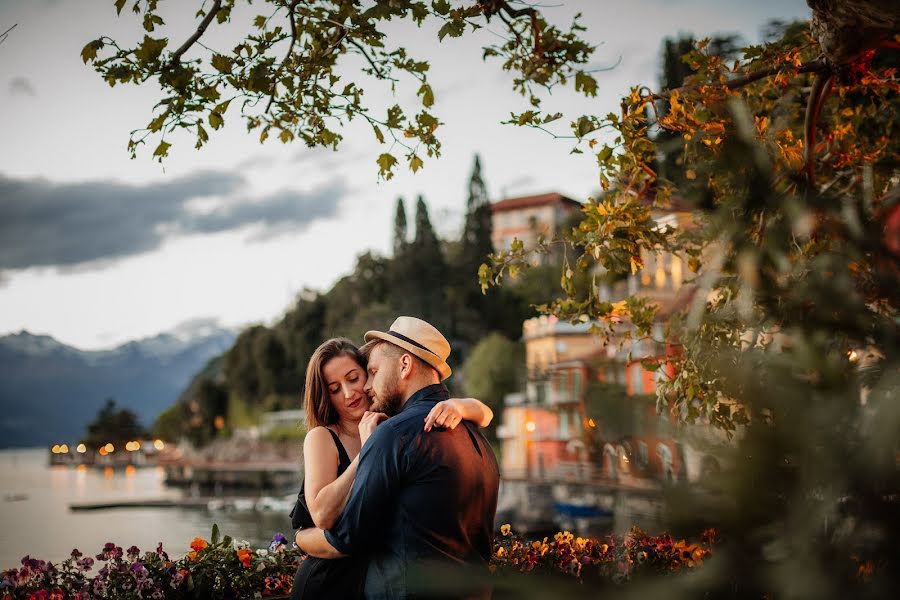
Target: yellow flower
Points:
(505, 529)
(501, 552)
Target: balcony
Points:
(557, 397)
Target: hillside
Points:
(50, 391)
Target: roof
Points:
(532, 201)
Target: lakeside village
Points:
(565, 464)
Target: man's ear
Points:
(406, 366)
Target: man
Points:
(422, 506)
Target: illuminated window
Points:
(677, 275)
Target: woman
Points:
(339, 424)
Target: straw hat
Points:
(420, 338)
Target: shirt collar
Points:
(430, 393)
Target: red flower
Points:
(244, 556)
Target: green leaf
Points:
(604, 154)
(524, 118)
(216, 120)
(584, 126)
(585, 84)
(415, 163)
(378, 133)
(452, 28)
(214, 537)
(222, 64)
(329, 138)
(162, 150)
(386, 162)
(394, 117)
(150, 49)
(441, 7)
(285, 136)
(157, 123)
(427, 95)
(89, 52)
(259, 22)
(202, 136)
(120, 4)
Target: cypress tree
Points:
(399, 227)
(429, 269)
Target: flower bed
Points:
(223, 568)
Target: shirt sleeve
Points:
(373, 496)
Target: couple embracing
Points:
(400, 487)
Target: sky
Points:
(97, 249)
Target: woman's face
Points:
(344, 381)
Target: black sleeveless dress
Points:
(326, 578)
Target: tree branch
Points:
(821, 88)
(293, 19)
(818, 65)
(5, 34)
(201, 29)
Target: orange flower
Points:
(244, 556)
(198, 544)
(192, 556)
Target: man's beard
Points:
(389, 402)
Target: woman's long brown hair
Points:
(319, 410)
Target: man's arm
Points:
(373, 497)
(313, 542)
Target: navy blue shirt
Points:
(419, 499)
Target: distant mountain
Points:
(49, 391)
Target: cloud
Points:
(75, 225)
(19, 86)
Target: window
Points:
(576, 386)
(637, 378)
(642, 451)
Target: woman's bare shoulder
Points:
(318, 440)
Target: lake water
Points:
(41, 524)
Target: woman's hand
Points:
(446, 413)
(368, 423)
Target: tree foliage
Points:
(494, 368)
(113, 424)
(285, 77)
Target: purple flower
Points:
(139, 571)
(85, 563)
(133, 552)
(160, 552)
(277, 540)
(76, 553)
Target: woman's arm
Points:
(449, 413)
(313, 542)
(326, 494)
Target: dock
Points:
(199, 502)
(238, 503)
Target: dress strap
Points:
(343, 457)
